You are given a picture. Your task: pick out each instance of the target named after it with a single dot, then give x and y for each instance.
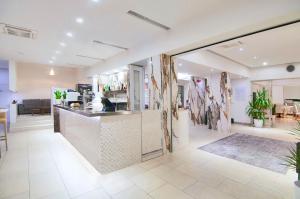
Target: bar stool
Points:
(3, 121)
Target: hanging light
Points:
(52, 73)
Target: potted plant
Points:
(256, 108)
(58, 95)
(293, 160)
(64, 96)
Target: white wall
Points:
(274, 72)
(291, 92)
(34, 81)
(12, 76)
(277, 94)
(241, 95)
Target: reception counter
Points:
(108, 140)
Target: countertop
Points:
(94, 113)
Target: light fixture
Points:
(265, 63)
(79, 20)
(51, 73)
(53, 58)
(241, 49)
(69, 34)
(180, 64)
(184, 76)
(51, 62)
(254, 57)
(96, 1)
(57, 52)
(62, 44)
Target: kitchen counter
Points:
(94, 113)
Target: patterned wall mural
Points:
(209, 101)
(196, 97)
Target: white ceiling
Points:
(277, 46)
(105, 21)
(198, 70)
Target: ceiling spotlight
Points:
(69, 34)
(53, 58)
(254, 57)
(50, 61)
(180, 64)
(96, 1)
(241, 49)
(57, 52)
(79, 20)
(265, 63)
(62, 44)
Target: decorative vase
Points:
(258, 123)
(58, 101)
(297, 189)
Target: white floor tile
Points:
(13, 184)
(168, 191)
(132, 193)
(44, 184)
(148, 181)
(95, 194)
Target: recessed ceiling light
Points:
(254, 57)
(79, 20)
(265, 63)
(241, 49)
(50, 61)
(57, 52)
(53, 58)
(96, 1)
(180, 64)
(62, 44)
(69, 34)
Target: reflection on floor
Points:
(43, 165)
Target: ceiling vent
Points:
(110, 45)
(231, 45)
(146, 19)
(17, 31)
(88, 57)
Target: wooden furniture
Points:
(3, 121)
(35, 111)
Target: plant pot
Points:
(297, 189)
(258, 123)
(58, 101)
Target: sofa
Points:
(31, 106)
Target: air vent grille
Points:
(88, 57)
(110, 45)
(18, 31)
(148, 20)
(231, 45)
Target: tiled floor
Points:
(43, 165)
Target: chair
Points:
(3, 121)
(297, 110)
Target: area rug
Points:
(257, 151)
